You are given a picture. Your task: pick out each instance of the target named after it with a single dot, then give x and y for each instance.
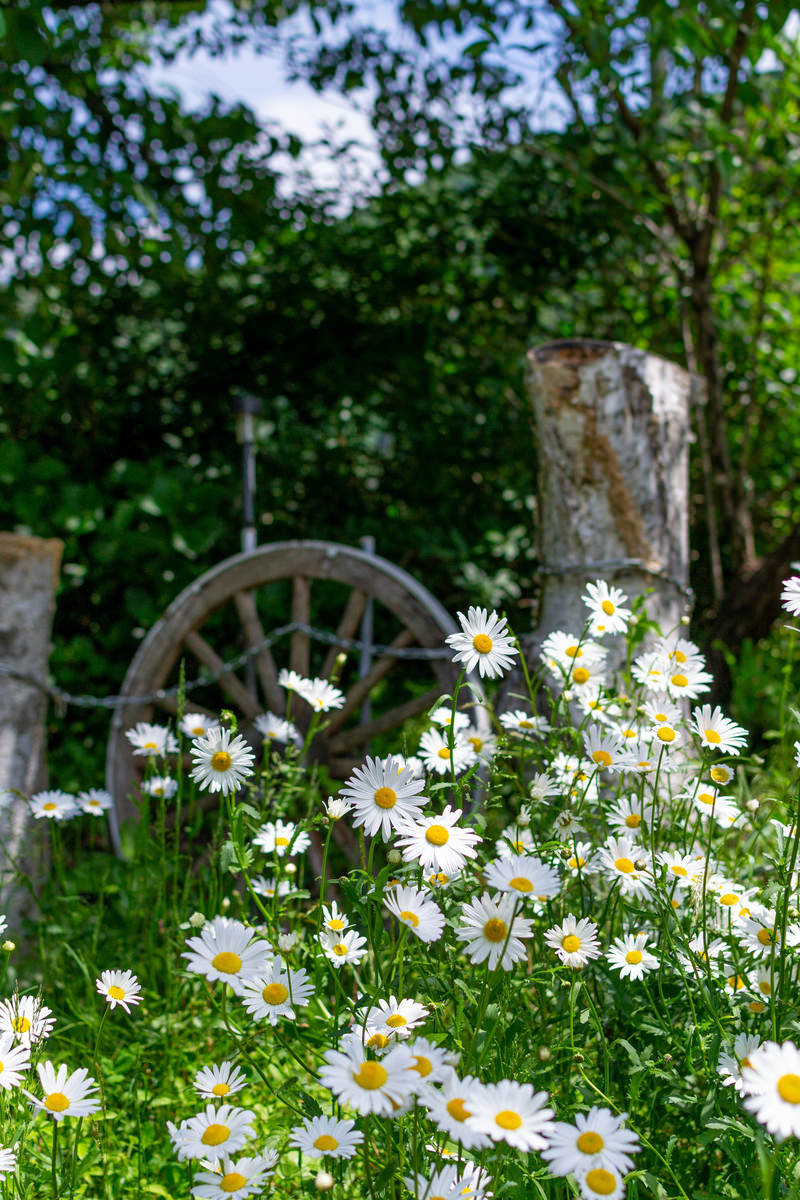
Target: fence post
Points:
(28, 577)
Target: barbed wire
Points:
(62, 699)
(592, 568)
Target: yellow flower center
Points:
(633, 957)
(325, 1142)
(624, 865)
(56, 1102)
(476, 743)
(335, 924)
(580, 675)
(456, 1109)
(679, 681)
(746, 1062)
(378, 1041)
(678, 870)
(482, 643)
(755, 1006)
(198, 730)
(20, 1024)
(150, 746)
(576, 862)
(339, 949)
(665, 733)
(728, 899)
(232, 1182)
(444, 752)
(50, 806)
(571, 943)
(789, 1088)
(437, 835)
(765, 987)
(370, 1076)
(221, 760)
(720, 774)
(215, 1135)
(765, 937)
(220, 1089)
(409, 917)
(281, 841)
(590, 1142)
(227, 962)
(396, 1021)
(633, 820)
(602, 758)
(574, 652)
(706, 797)
(735, 982)
(608, 608)
(275, 993)
(712, 736)
(386, 797)
(116, 993)
(600, 1181)
(521, 884)
(495, 930)
(526, 725)
(508, 1119)
(423, 1065)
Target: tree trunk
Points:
(612, 426)
(28, 577)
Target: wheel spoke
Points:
(353, 612)
(299, 656)
(265, 663)
(245, 700)
(362, 687)
(390, 720)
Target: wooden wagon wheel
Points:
(229, 608)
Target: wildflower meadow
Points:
(540, 950)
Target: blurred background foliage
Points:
(155, 261)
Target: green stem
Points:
(54, 1161)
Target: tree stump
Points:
(28, 578)
(612, 433)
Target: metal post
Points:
(367, 544)
(247, 408)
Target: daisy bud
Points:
(225, 903)
(394, 857)
(685, 620)
(286, 941)
(336, 808)
(290, 868)
(323, 1181)
(523, 820)
(229, 719)
(577, 1057)
(641, 864)
(752, 806)
(668, 1058)
(567, 693)
(544, 1054)
(9, 946)
(340, 660)
(197, 920)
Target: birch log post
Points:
(612, 431)
(28, 577)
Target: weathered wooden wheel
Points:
(229, 608)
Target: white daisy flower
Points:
(681, 868)
(336, 808)
(605, 750)
(27, 1018)
(268, 886)
(197, 725)
(333, 918)
(688, 682)
(398, 1017)
(95, 801)
(629, 955)
(562, 652)
(601, 1182)
(524, 874)
(652, 669)
(292, 681)
(443, 715)
(281, 838)
(449, 1112)
(491, 931)
(541, 787)
(605, 606)
(119, 987)
(574, 941)
(411, 906)
(718, 732)
(54, 805)
(721, 774)
(326, 1136)
(597, 1139)
(567, 825)
(431, 1062)
(341, 948)
(321, 695)
(511, 1112)
(368, 1086)
(760, 933)
(483, 745)
(219, 1080)
(216, 1131)
(619, 856)
(383, 795)
(515, 839)
(772, 1088)
(438, 842)
(762, 981)
(240, 1178)
(65, 1095)
(580, 861)
(277, 993)
(730, 1066)
(8, 1161)
(436, 755)
(229, 951)
(277, 729)
(446, 1182)
(629, 814)
(15, 1059)
(221, 763)
(160, 786)
(152, 740)
(790, 595)
(483, 643)
(523, 723)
